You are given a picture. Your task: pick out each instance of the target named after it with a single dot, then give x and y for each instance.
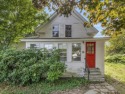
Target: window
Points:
(56, 31)
(49, 47)
(90, 48)
(76, 52)
(33, 46)
(63, 51)
(68, 30)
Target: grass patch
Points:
(43, 87)
(115, 75)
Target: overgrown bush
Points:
(29, 66)
(117, 58)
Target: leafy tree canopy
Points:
(110, 13)
(18, 18)
(116, 44)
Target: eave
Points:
(64, 39)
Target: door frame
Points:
(94, 52)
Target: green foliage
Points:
(17, 19)
(116, 44)
(29, 66)
(117, 58)
(110, 13)
(44, 87)
(55, 71)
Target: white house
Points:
(80, 46)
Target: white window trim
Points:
(52, 30)
(80, 51)
(66, 49)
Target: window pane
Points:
(63, 51)
(90, 48)
(68, 30)
(56, 28)
(56, 31)
(33, 46)
(49, 47)
(76, 52)
(55, 34)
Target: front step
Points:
(95, 75)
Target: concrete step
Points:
(95, 75)
(97, 79)
(94, 69)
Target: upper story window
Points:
(68, 31)
(55, 31)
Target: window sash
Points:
(63, 51)
(55, 31)
(76, 51)
(68, 31)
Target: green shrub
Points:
(29, 66)
(117, 58)
(55, 71)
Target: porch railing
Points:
(87, 69)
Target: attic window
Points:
(68, 30)
(56, 31)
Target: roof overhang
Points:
(64, 39)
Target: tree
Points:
(110, 13)
(116, 44)
(18, 18)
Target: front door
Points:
(90, 54)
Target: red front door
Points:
(90, 54)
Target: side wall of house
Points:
(100, 55)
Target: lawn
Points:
(115, 75)
(43, 87)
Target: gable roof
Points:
(55, 14)
(50, 19)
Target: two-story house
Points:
(81, 49)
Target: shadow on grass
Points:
(118, 85)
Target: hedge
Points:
(30, 65)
